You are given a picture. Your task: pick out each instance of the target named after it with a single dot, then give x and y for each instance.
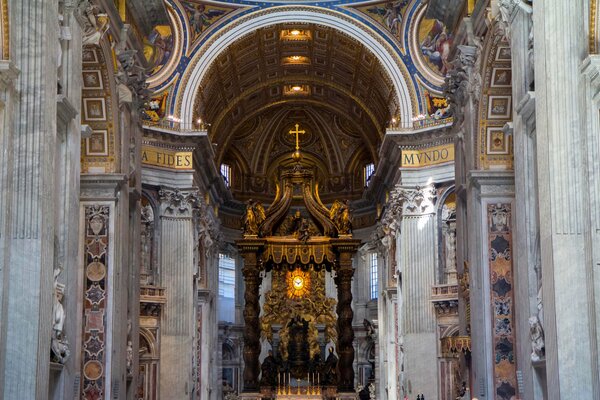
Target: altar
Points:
(298, 243)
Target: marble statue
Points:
(59, 345)
(536, 332)
(129, 358)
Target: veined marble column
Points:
(568, 270)
(29, 303)
(177, 271)
(418, 254)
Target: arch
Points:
(452, 330)
(495, 146)
(208, 53)
(101, 153)
(147, 337)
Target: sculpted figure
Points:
(341, 216)
(330, 369)
(536, 332)
(269, 371)
(59, 345)
(250, 223)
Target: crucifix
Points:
(297, 132)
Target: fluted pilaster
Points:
(571, 343)
(177, 277)
(29, 307)
(417, 268)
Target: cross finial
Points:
(297, 132)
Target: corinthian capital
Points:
(416, 201)
(175, 202)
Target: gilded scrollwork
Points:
(315, 308)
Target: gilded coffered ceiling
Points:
(247, 71)
(263, 84)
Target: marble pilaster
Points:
(591, 70)
(417, 276)
(527, 268)
(29, 303)
(8, 75)
(177, 271)
(566, 255)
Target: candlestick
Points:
(298, 386)
(289, 384)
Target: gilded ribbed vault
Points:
(271, 79)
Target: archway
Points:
(301, 15)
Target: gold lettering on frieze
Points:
(418, 158)
(167, 158)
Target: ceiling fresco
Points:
(420, 44)
(247, 72)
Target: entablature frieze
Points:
(491, 183)
(102, 186)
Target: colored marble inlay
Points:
(95, 301)
(502, 293)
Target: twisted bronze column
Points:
(345, 348)
(252, 280)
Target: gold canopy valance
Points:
(316, 254)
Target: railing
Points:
(152, 294)
(444, 292)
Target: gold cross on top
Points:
(297, 132)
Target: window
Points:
(374, 284)
(368, 173)
(226, 174)
(226, 288)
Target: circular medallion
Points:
(298, 282)
(92, 370)
(95, 271)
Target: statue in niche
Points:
(253, 218)
(450, 242)
(298, 350)
(269, 371)
(371, 335)
(330, 376)
(536, 333)
(147, 237)
(129, 358)
(59, 344)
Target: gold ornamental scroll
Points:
(167, 158)
(419, 158)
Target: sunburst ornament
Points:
(298, 283)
